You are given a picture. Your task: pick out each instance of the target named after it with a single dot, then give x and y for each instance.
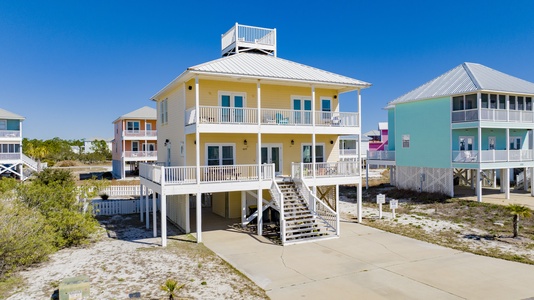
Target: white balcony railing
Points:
(492, 156)
(325, 169)
(248, 34)
(140, 133)
(10, 156)
(209, 174)
(493, 115)
(381, 155)
(233, 115)
(9, 133)
(140, 154)
(348, 152)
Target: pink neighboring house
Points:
(378, 139)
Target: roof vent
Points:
(242, 38)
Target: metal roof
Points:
(4, 114)
(267, 67)
(142, 113)
(372, 133)
(467, 78)
(382, 125)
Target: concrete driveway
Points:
(366, 263)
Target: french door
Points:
(232, 107)
(272, 154)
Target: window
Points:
(466, 143)
(458, 103)
(9, 148)
(528, 103)
(471, 101)
(148, 126)
(502, 102)
(163, 106)
(132, 126)
(484, 100)
(515, 143)
(493, 101)
(491, 143)
(307, 153)
(135, 146)
(520, 103)
(3, 124)
(406, 141)
(149, 147)
(511, 100)
(326, 107)
(232, 103)
(220, 155)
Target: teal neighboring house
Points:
(468, 126)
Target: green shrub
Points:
(25, 238)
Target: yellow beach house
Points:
(257, 136)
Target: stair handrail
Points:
(278, 198)
(30, 162)
(317, 206)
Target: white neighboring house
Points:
(12, 161)
(88, 144)
(348, 149)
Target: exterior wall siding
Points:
(174, 129)
(428, 125)
(391, 129)
(177, 210)
(437, 180)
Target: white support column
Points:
(525, 181)
(259, 204)
(141, 202)
(243, 207)
(360, 212)
(507, 183)
(479, 185)
(187, 214)
(154, 214)
(338, 211)
(507, 143)
(314, 167)
(494, 178)
(199, 217)
(502, 185)
(163, 198)
(532, 181)
(147, 211)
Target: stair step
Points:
(305, 235)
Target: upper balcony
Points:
(492, 156)
(493, 115)
(140, 155)
(140, 134)
(10, 134)
(272, 120)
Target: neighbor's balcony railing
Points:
(9, 133)
(325, 169)
(140, 133)
(232, 115)
(208, 174)
(494, 115)
(10, 156)
(348, 152)
(248, 34)
(140, 154)
(491, 156)
(381, 155)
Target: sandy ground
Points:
(126, 260)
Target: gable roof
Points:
(142, 113)
(466, 78)
(382, 125)
(267, 67)
(4, 114)
(372, 133)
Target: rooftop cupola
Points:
(242, 38)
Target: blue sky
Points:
(72, 67)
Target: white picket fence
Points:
(120, 207)
(123, 190)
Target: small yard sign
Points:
(380, 199)
(393, 204)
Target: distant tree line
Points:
(56, 149)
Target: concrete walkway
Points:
(366, 263)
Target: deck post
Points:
(243, 207)
(141, 203)
(163, 198)
(259, 219)
(199, 217)
(532, 181)
(147, 211)
(494, 178)
(525, 181)
(479, 185)
(154, 214)
(360, 213)
(338, 211)
(506, 179)
(313, 154)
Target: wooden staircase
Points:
(302, 224)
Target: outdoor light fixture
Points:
(292, 142)
(335, 96)
(190, 87)
(195, 142)
(245, 142)
(331, 142)
(167, 142)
